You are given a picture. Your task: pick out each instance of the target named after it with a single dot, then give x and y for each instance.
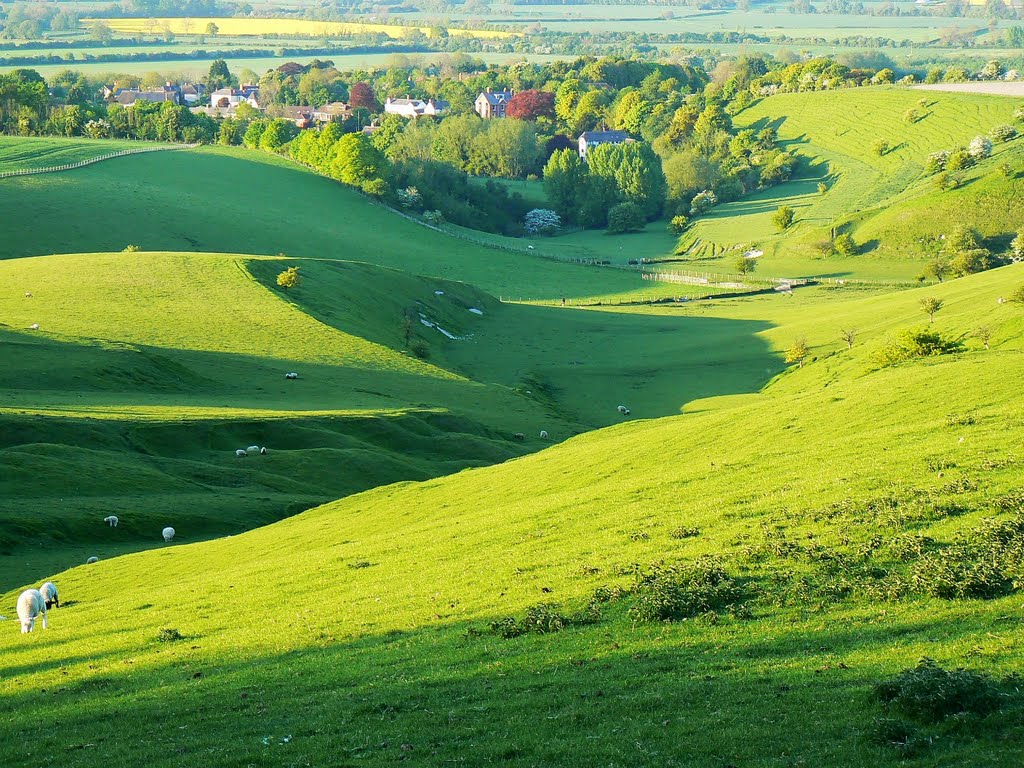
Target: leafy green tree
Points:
(289, 278)
(276, 134)
(844, 245)
(798, 351)
(564, 180)
(937, 268)
(625, 217)
(254, 133)
(783, 218)
(212, 29)
(219, 76)
(744, 266)
(930, 305)
(356, 162)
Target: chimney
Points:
(488, 89)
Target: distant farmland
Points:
(259, 27)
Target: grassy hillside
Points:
(886, 202)
(251, 202)
(845, 506)
(20, 152)
(149, 370)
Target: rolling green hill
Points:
(857, 514)
(22, 152)
(886, 202)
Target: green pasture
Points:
(361, 629)
(20, 153)
(886, 202)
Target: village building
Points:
(492, 104)
(590, 139)
(412, 108)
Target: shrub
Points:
(1017, 247)
(542, 221)
(822, 187)
(703, 202)
(797, 352)
(929, 693)
(625, 217)
(540, 619)
(131, 248)
(911, 115)
(420, 348)
(959, 572)
(980, 148)
(168, 635)
(289, 278)
(936, 161)
(684, 532)
(844, 245)
(410, 199)
(971, 261)
(1003, 133)
(913, 343)
(678, 224)
(880, 147)
(433, 218)
(1017, 294)
(959, 159)
(667, 593)
(783, 217)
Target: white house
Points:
(232, 97)
(415, 107)
(590, 139)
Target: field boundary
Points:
(91, 160)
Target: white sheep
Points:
(92, 560)
(111, 520)
(252, 449)
(263, 451)
(28, 294)
(240, 453)
(30, 605)
(623, 409)
(34, 327)
(291, 375)
(168, 534)
(49, 593)
(543, 434)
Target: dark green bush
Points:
(667, 593)
(540, 619)
(918, 342)
(684, 532)
(928, 693)
(167, 635)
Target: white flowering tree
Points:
(980, 147)
(541, 221)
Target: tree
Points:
(931, 305)
(938, 269)
(880, 147)
(744, 265)
(1017, 247)
(212, 29)
(798, 351)
(783, 218)
(848, 335)
(541, 221)
(531, 104)
(984, 335)
(219, 76)
(289, 278)
(625, 217)
(564, 178)
(844, 245)
(362, 95)
(355, 161)
(822, 187)
(678, 224)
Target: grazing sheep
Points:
(30, 605)
(519, 436)
(92, 560)
(623, 409)
(240, 453)
(626, 412)
(263, 451)
(252, 449)
(28, 294)
(168, 534)
(291, 375)
(543, 434)
(111, 521)
(49, 593)
(34, 327)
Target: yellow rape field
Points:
(242, 27)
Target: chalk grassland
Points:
(150, 369)
(21, 153)
(160, 207)
(886, 202)
(361, 629)
(255, 27)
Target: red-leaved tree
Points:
(529, 105)
(362, 95)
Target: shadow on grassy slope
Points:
(780, 690)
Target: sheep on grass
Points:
(30, 605)
(168, 534)
(49, 593)
(111, 520)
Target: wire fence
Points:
(91, 160)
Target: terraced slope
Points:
(838, 504)
(886, 202)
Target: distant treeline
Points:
(230, 53)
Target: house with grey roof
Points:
(491, 104)
(590, 139)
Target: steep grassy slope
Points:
(149, 370)
(886, 202)
(358, 632)
(252, 202)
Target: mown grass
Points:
(361, 629)
(21, 153)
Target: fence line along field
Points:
(255, 27)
